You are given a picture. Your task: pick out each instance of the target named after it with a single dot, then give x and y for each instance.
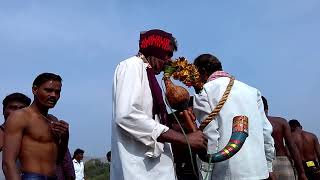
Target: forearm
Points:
(173, 137)
(295, 155)
(10, 170)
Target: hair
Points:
(174, 44)
(208, 63)
(294, 123)
(265, 103)
(77, 152)
(109, 154)
(18, 97)
(44, 77)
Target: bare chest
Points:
(40, 131)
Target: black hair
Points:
(265, 103)
(294, 123)
(208, 63)
(76, 152)
(18, 97)
(44, 77)
(174, 44)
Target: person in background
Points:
(78, 164)
(282, 167)
(309, 149)
(38, 139)
(109, 156)
(11, 103)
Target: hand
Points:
(189, 119)
(59, 128)
(197, 140)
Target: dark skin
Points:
(12, 106)
(307, 144)
(79, 157)
(281, 130)
(197, 140)
(37, 139)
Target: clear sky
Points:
(272, 45)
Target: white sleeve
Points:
(128, 110)
(267, 131)
(202, 109)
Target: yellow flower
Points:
(186, 73)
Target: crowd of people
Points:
(147, 145)
(34, 142)
(146, 142)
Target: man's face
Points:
(80, 156)
(159, 64)
(12, 106)
(48, 93)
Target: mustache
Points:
(52, 99)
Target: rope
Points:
(218, 108)
(183, 132)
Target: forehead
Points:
(16, 103)
(51, 84)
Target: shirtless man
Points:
(309, 149)
(38, 139)
(282, 168)
(11, 103)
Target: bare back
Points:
(278, 134)
(306, 144)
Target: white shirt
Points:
(78, 169)
(254, 160)
(136, 153)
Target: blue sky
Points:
(272, 45)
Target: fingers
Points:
(60, 124)
(189, 121)
(191, 114)
(59, 127)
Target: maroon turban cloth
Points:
(156, 43)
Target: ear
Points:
(34, 89)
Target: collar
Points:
(217, 75)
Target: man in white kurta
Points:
(254, 160)
(136, 154)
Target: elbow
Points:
(122, 119)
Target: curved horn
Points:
(238, 137)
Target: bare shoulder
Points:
(18, 118)
(309, 135)
(277, 120)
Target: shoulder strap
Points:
(219, 106)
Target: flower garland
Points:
(183, 71)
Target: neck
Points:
(40, 109)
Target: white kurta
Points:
(136, 154)
(254, 159)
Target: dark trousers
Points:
(312, 171)
(35, 176)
